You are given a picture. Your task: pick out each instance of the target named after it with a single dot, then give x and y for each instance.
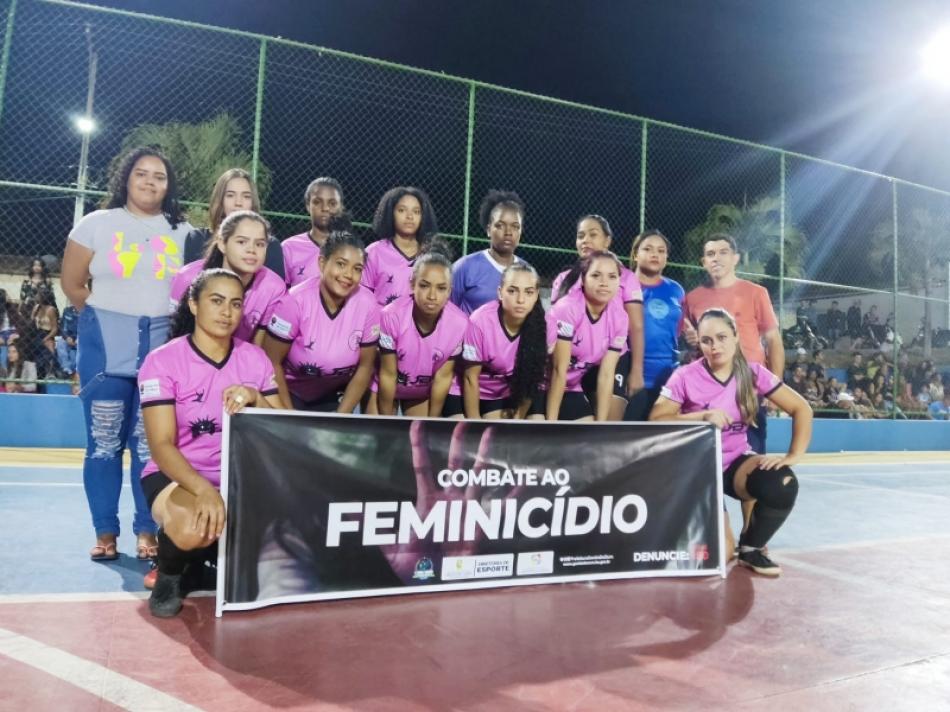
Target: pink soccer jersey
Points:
(260, 296)
(325, 348)
(387, 271)
(179, 374)
(488, 343)
(418, 357)
(629, 292)
(695, 388)
(300, 258)
(570, 320)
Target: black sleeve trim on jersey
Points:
(768, 393)
(634, 301)
(279, 338)
(564, 338)
(364, 344)
(382, 350)
(615, 350)
(170, 401)
(270, 392)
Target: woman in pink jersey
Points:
(591, 328)
(403, 223)
(594, 235)
(420, 337)
(240, 245)
(183, 386)
(322, 336)
(505, 352)
(724, 389)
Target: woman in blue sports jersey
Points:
(662, 314)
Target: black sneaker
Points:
(165, 601)
(756, 560)
(199, 576)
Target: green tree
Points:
(756, 228)
(923, 251)
(200, 153)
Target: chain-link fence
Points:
(854, 261)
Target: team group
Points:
(177, 324)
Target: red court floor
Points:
(860, 620)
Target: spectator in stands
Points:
(117, 271)
(45, 319)
(835, 323)
(21, 370)
(871, 328)
(935, 387)
(323, 199)
(817, 365)
(476, 277)
(940, 410)
(797, 381)
(813, 393)
(857, 371)
(853, 320)
(234, 190)
(37, 280)
(66, 341)
(8, 322)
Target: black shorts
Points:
(729, 474)
(153, 484)
(328, 404)
(589, 381)
(455, 405)
(574, 406)
(641, 403)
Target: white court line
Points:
(45, 484)
(862, 543)
(889, 490)
(95, 679)
(87, 597)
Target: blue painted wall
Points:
(57, 421)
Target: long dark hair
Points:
(214, 258)
(384, 225)
(746, 398)
(581, 268)
(119, 184)
(499, 199)
(638, 240)
(44, 272)
(183, 321)
(532, 354)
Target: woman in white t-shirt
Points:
(117, 271)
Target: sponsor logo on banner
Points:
(424, 569)
(456, 568)
(535, 562)
(654, 556)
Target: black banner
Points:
(328, 506)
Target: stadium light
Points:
(935, 58)
(85, 124)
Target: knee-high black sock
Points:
(775, 492)
(171, 559)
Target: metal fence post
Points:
(644, 136)
(258, 110)
(5, 56)
(468, 166)
(896, 352)
(781, 240)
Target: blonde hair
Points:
(746, 397)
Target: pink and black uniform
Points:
(324, 347)
(570, 320)
(261, 294)
(300, 259)
(387, 271)
(418, 356)
(178, 374)
(695, 388)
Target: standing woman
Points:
(184, 386)
(324, 201)
(45, 318)
(37, 280)
(594, 235)
(724, 389)
(420, 337)
(505, 352)
(662, 313)
(131, 251)
(233, 191)
(476, 277)
(240, 246)
(322, 337)
(591, 329)
(403, 222)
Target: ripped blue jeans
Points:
(111, 348)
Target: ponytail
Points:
(746, 398)
(531, 357)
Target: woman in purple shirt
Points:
(403, 223)
(724, 389)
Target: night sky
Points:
(836, 79)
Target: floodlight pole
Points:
(83, 176)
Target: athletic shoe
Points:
(756, 560)
(165, 601)
(199, 576)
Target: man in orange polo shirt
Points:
(759, 335)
